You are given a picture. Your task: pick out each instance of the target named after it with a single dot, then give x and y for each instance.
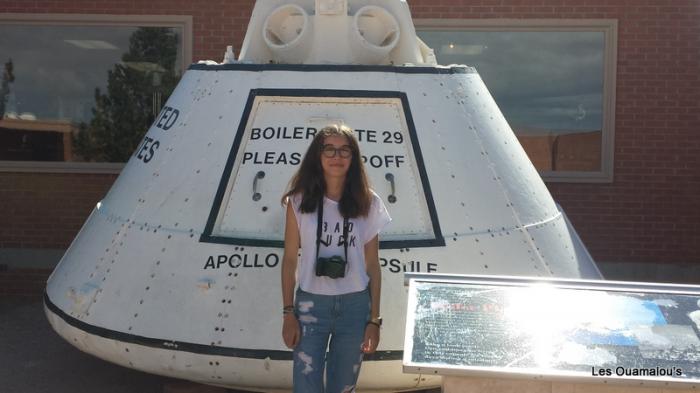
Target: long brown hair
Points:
(310, 183)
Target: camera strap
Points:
(319, 224)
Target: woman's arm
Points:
(375, 288)
(290, 327)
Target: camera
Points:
(333, 267)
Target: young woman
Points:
(335, 218)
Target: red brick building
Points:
(637, 210)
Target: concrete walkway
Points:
(34, 359)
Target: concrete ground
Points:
(34, 359)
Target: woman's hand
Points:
(369, 345)
(290, 330)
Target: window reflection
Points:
(549, 86)
(83, 93)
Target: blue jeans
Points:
(342, 318)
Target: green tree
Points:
(122, 116)
(7, 78)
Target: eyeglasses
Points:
(330, 151)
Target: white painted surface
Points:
(333, 32)
(138, 266)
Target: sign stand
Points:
(506, 334)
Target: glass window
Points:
(550, 85)
(83, 93)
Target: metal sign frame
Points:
(411, 279)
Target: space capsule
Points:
(177, 270)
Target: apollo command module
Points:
(176, 272)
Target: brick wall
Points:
(650, 213)
(42, 210)
(45, 211)
(23, 283)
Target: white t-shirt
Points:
(360, 231)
